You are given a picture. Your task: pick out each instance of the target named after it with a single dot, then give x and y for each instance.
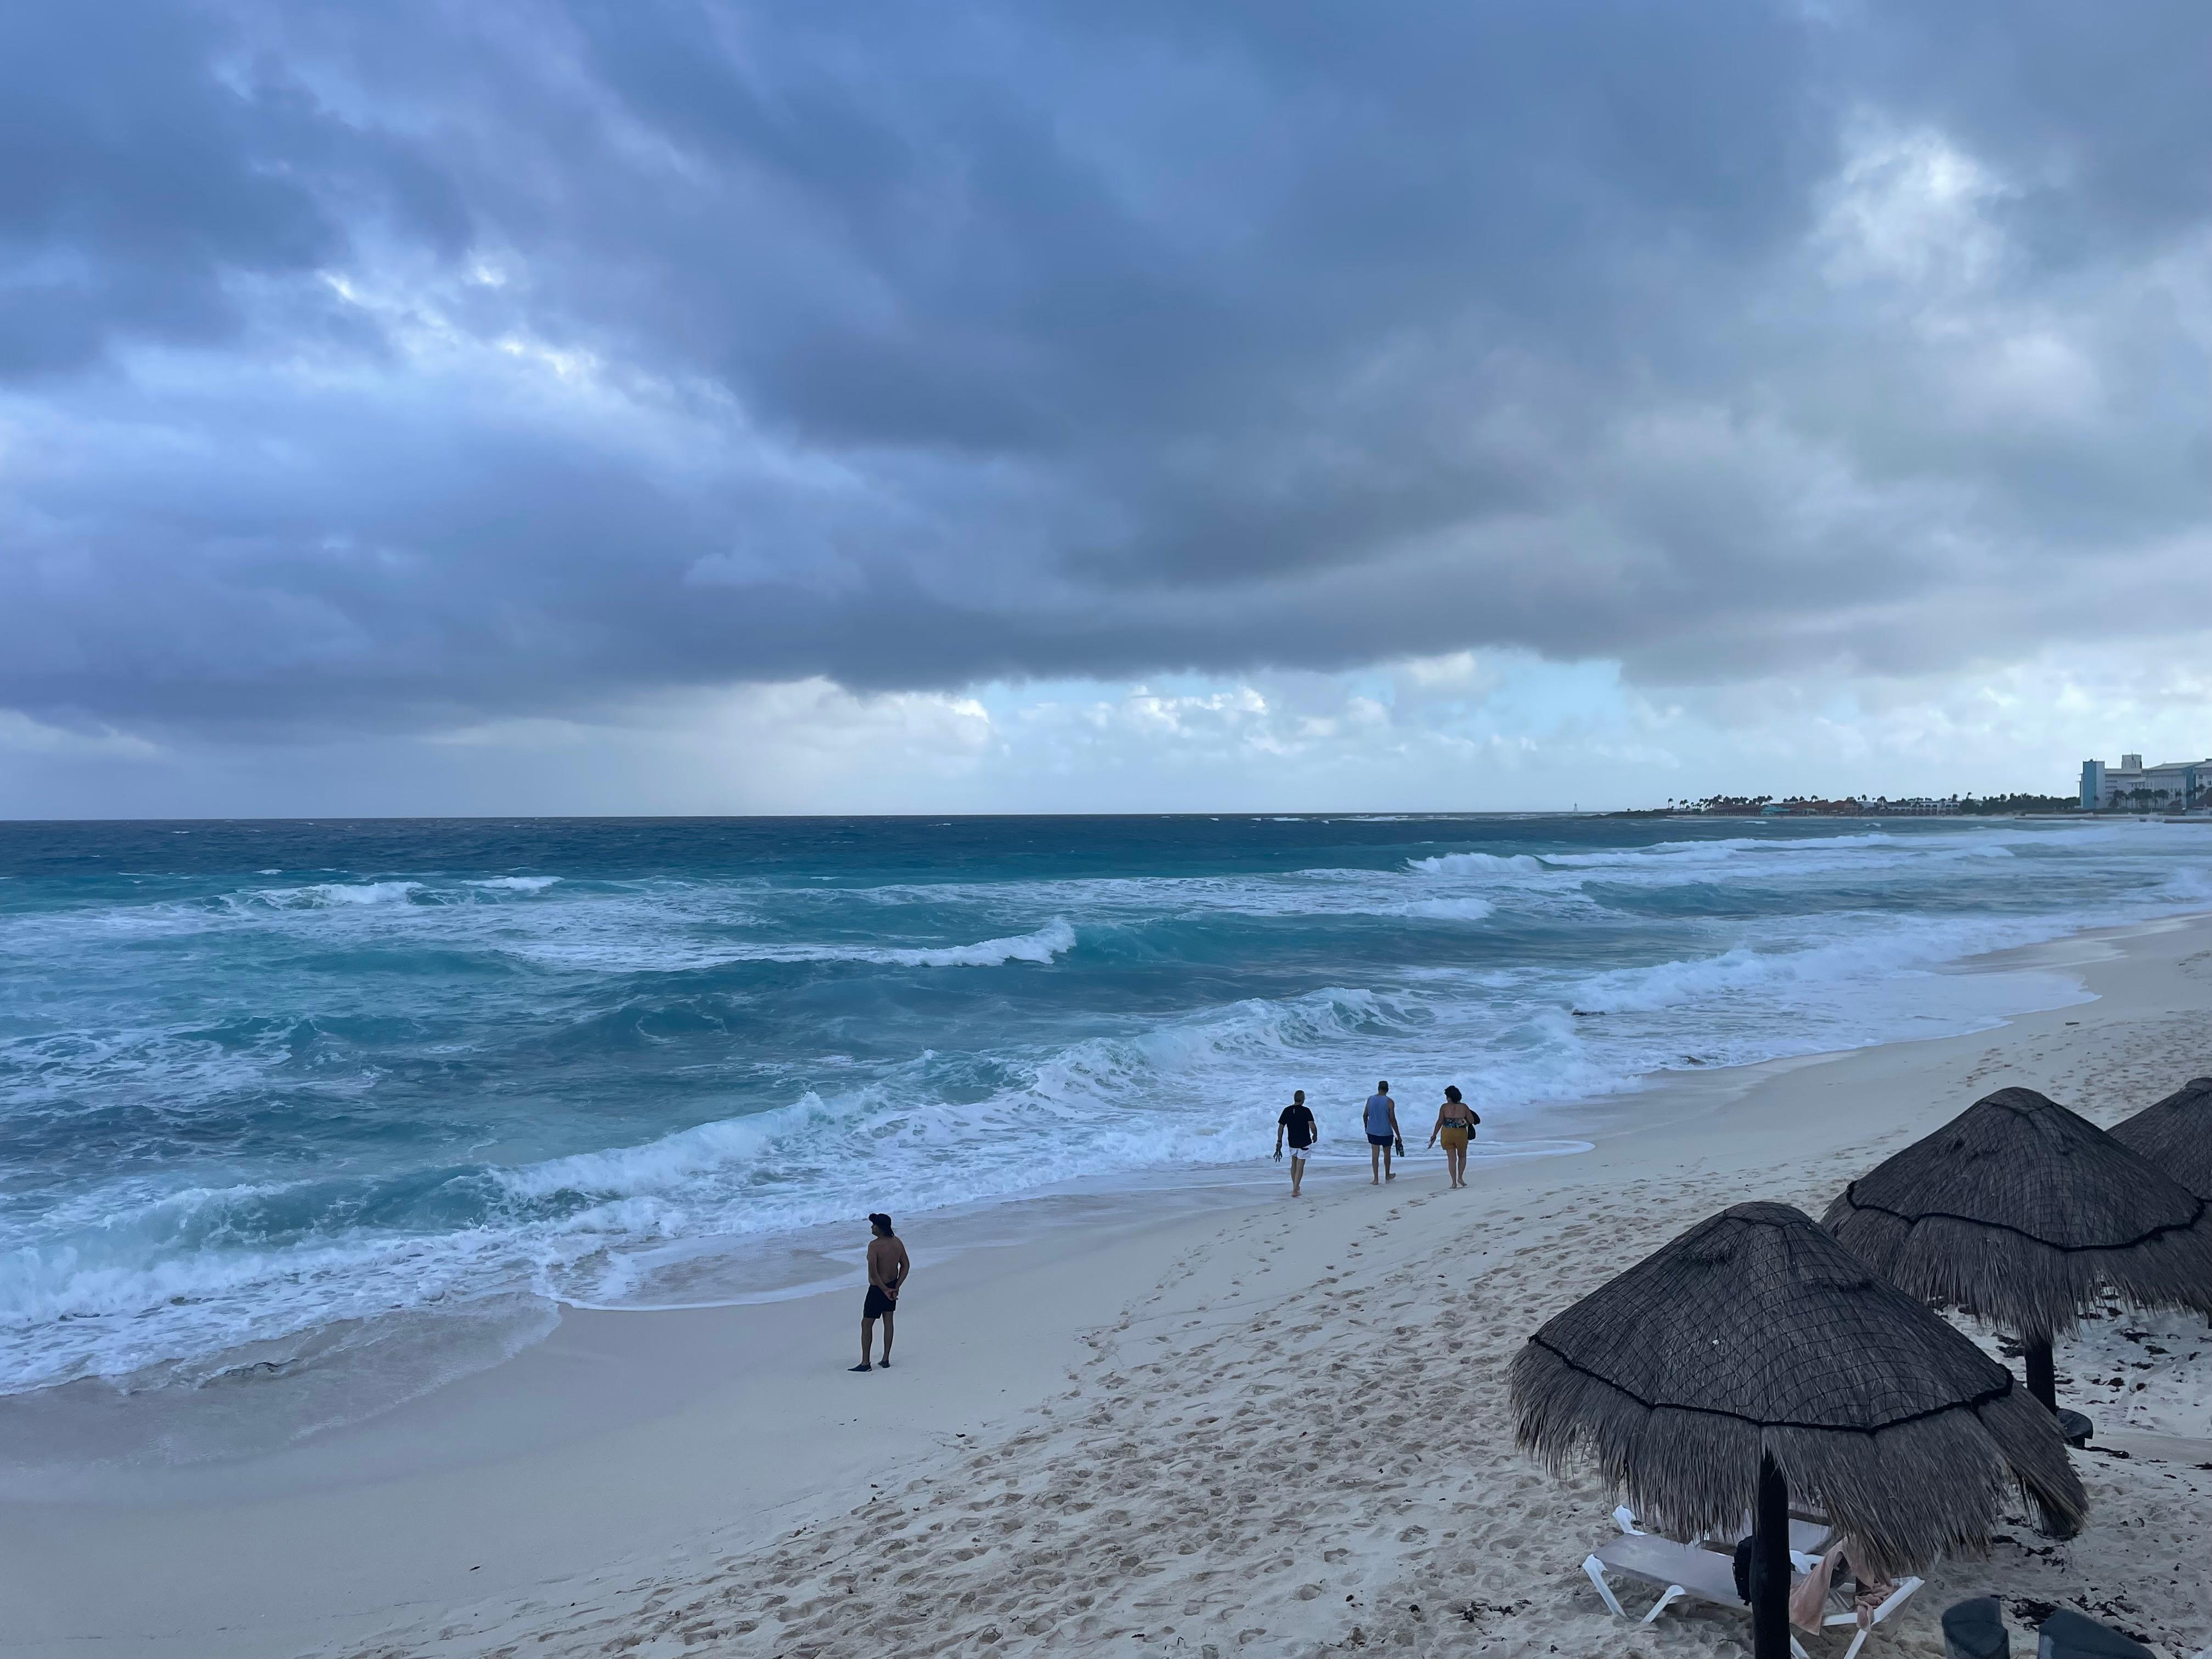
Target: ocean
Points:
(270, 1089)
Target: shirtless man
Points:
(887, 1270)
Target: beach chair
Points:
(1809, 1535)
(1976, 1630)
(2067, 1634)
(1841, 1612)
(1680, 1571)
(1690, 1571)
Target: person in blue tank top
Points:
(1381, 1134)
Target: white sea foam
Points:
(1451, 909)
(1479, 863)
(1665, 852)
(518, 883)
(658, 1166)
(83, 1310)
(1830, 966)
(2191, 884)
(333, 893)
(1049, 941)
(1556, 876)
(1055, 938)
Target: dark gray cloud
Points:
(383, 367)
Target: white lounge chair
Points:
(1809, 1537)
(1679, 1569)
(1841, 1612)
(1687, 1570)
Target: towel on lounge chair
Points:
(1808, 1602)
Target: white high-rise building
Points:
(2131, 787)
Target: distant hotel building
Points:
(1913, 807)
(1849, 807)
(2131, 787)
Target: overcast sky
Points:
(688, 407)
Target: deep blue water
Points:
(257, 1078)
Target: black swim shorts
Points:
(1380, 1140)
(877, 1304)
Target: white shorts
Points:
(1297, 1153)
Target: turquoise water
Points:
(260, 1081)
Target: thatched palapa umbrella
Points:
(2018, 1211)
(1755, 1358)
(2176, 1134)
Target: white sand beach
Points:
(1249, 1427)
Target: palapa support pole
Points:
(2042, 1373)
(1770, 1565)
(2042, 1383)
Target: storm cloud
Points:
(390, 368)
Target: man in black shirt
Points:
(1296, 1124)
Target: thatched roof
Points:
(2018, 1211)
(2176, 1134)
(1755, 1332)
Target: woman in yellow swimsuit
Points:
(1456, 1122)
